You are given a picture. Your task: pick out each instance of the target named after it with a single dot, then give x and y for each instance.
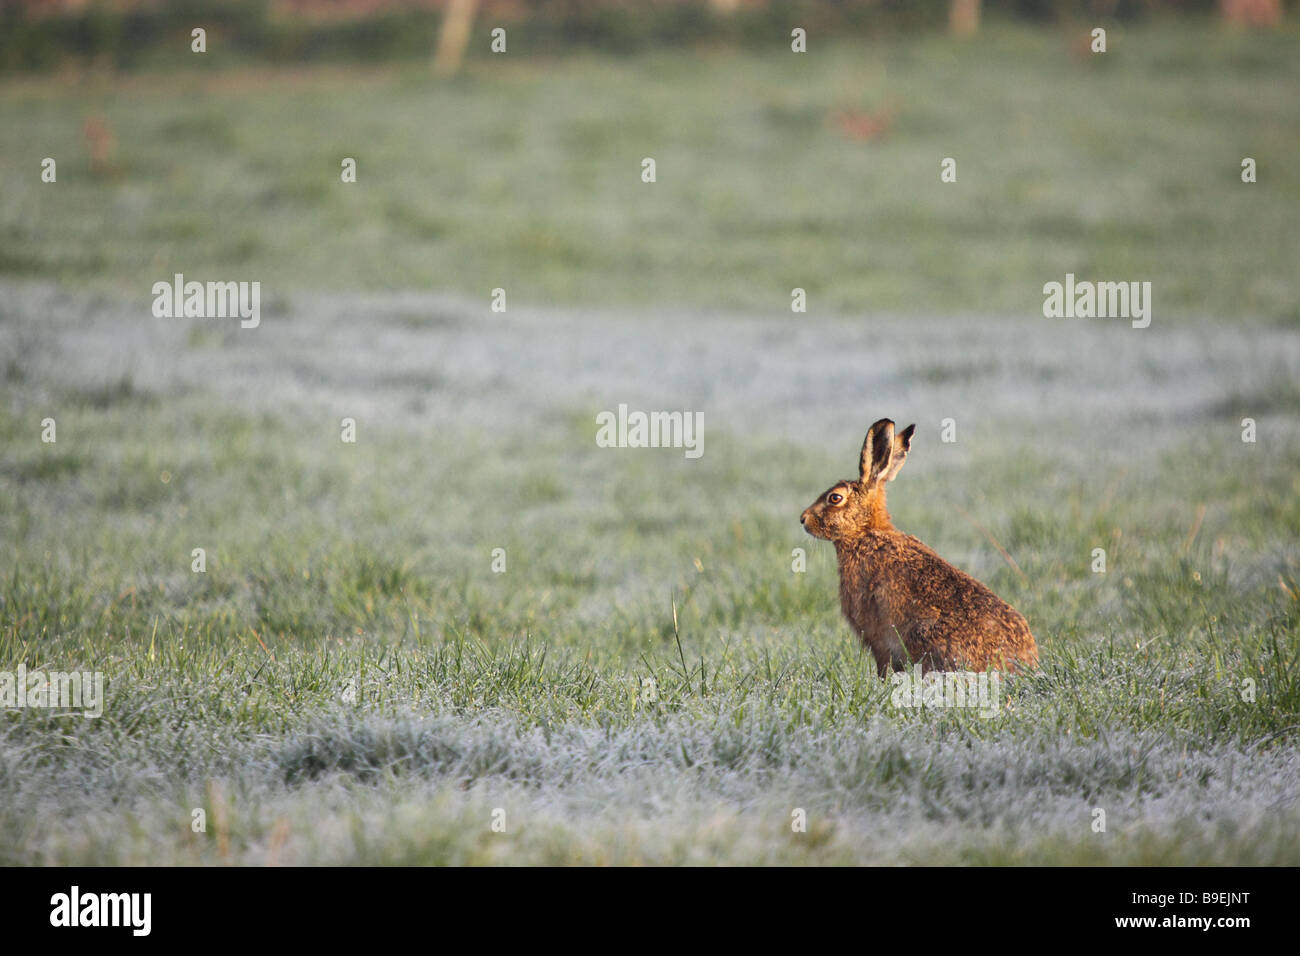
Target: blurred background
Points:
(777, 170)
(42, 33)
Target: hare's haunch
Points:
(905, 602)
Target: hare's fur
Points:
(907, 604)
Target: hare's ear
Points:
(877, 449)
(902, 442)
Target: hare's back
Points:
(931, 588)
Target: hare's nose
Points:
(803, 518)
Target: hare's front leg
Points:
(889, 652)
(883, 662)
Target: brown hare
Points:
(906, 603)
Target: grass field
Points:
(649, 681)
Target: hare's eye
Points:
(835, 498)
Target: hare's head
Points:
(849, 508)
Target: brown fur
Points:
(905, 602)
